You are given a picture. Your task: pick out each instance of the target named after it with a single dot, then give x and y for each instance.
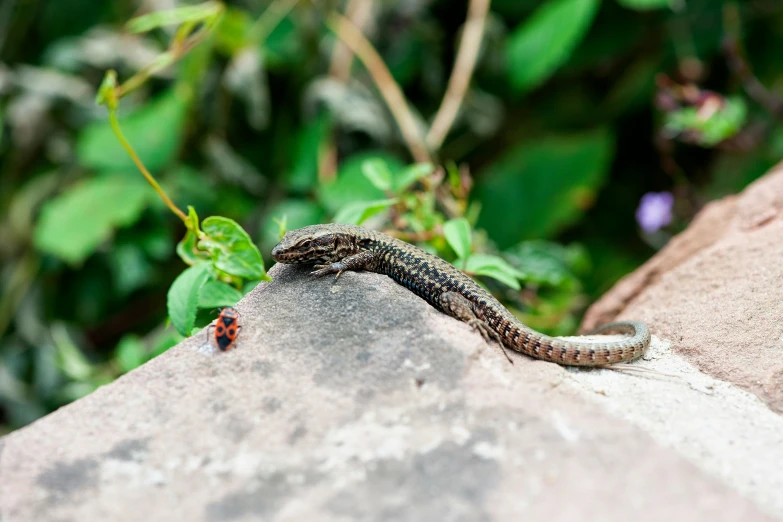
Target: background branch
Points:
(459, 81)
(358, 12)
(388, 88)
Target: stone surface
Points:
(356, 400)
(717, 291)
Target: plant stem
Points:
(383, 79)
(269, 19)
(358, 12)
(459, 81)
(115, 125)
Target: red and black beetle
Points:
(226, 328)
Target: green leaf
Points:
(183, 297)
(378, 173)
(458, 234)
(187, 249)
(722, 124)
(231, 248)
(411, 175)
(106, 93)
(539, 187)
(351, 185)
(284, 47)
(232, 31)
(75, 223)
(546, 40)
(357, 213)
(495, 267)
(130, 353)
(642, 5)
(307, 146)
(217, 294)
(192, 13)
(548, 263)
(155, 131)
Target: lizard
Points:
(335, 248)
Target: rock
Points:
(716, 291)
(355, 400)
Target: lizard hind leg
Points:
(460, 308)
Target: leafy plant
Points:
(546, 40)
(515, 139)
(712, 126)
(219, 251)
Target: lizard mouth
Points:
(280, 255)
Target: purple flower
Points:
(655, 211)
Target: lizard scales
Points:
(334, 248)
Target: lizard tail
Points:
(581, 353)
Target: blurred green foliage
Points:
(576, 108)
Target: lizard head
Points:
(315, 244)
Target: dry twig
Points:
(358, 12)
(459, 81)
(388, 88)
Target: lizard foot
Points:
(489, 335)
(334, 268)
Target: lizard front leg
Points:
(355, 262)
(457, 306)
